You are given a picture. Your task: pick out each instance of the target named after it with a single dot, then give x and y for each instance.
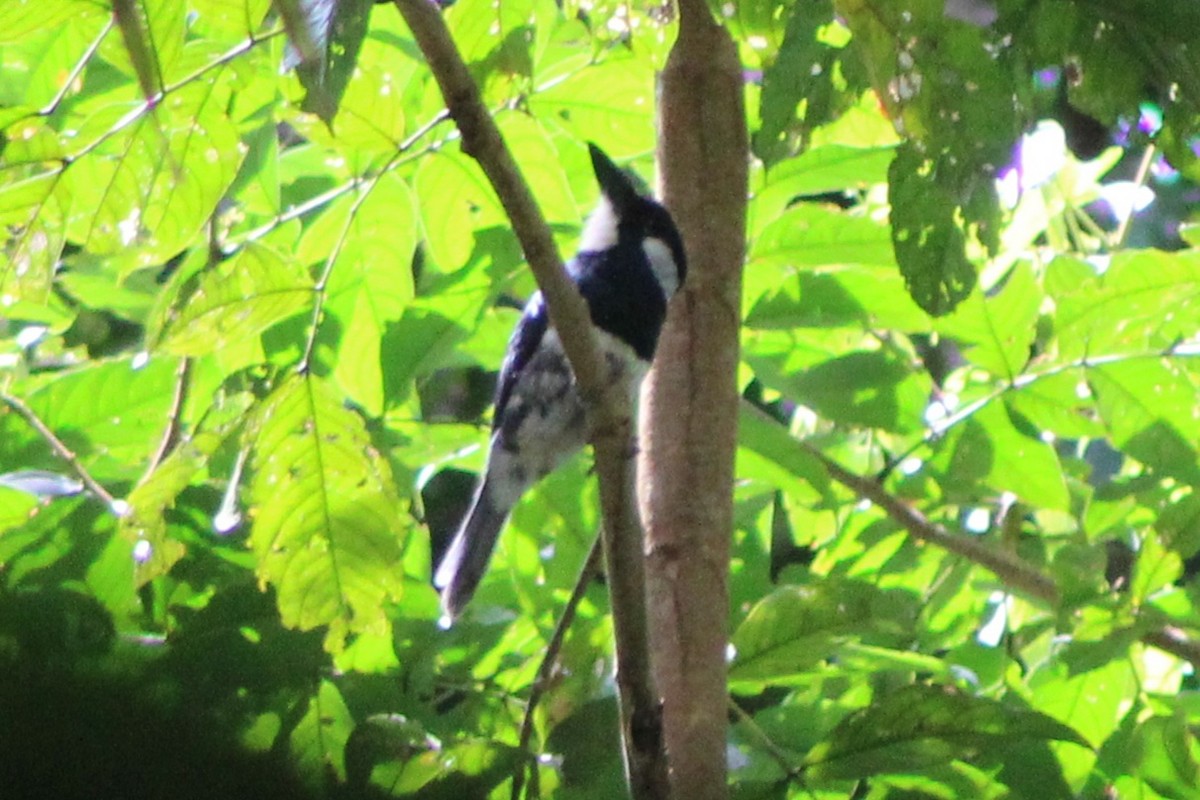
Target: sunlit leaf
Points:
(992, 452)
(324, 511)
(234, 300)
(454, 198)
(15, 507)
(111, 409)
(611, 105)
(319, 740)
(999, 330)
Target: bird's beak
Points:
(614, 183)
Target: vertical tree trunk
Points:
(690, 401)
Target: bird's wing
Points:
(521, 346)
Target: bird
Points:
(629, 264)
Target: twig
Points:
(1171, 639)
(542, 681)
(170, 437)
(1013, 572)
(1138, 181)
(369, 184)
(62, 451)
(608, 409)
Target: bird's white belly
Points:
(547, 423)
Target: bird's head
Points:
(626, 216)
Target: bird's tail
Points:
(466, 559)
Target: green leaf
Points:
(15, 508)
(20, 20)
(160, 181)
(1136, 289)
(112, 409)
(34, 210)
(235, 300)
(1092, 703)
(873, 389)
(1146, 405)
(855, 297)
(1170, 757)
(829, 168)
(991, 452)
(808, 235)
(794, 628)
(453, 197)
(1059, 403)
(922, 726)
(930, 246)
(802, 72)
(768, 439)
(611, 103)
(157, 493)
(318, 742)
(371, 284)
(999, 329)
(228, 18)
(1155, 568)
(325, 513)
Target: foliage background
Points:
(270, 337)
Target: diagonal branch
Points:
(1015, 573)
(608, 410)
(65, 453)
(546, 669)
(1011, 570)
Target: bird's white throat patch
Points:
(662, 264)
(600, 231)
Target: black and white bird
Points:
(630, 262)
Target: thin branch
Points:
(1013, 572)
(170, 437)
(542, 681)
(608, 409)
(1171, 639)
(62, 451)
(1139, 180)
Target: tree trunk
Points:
(689, 432)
